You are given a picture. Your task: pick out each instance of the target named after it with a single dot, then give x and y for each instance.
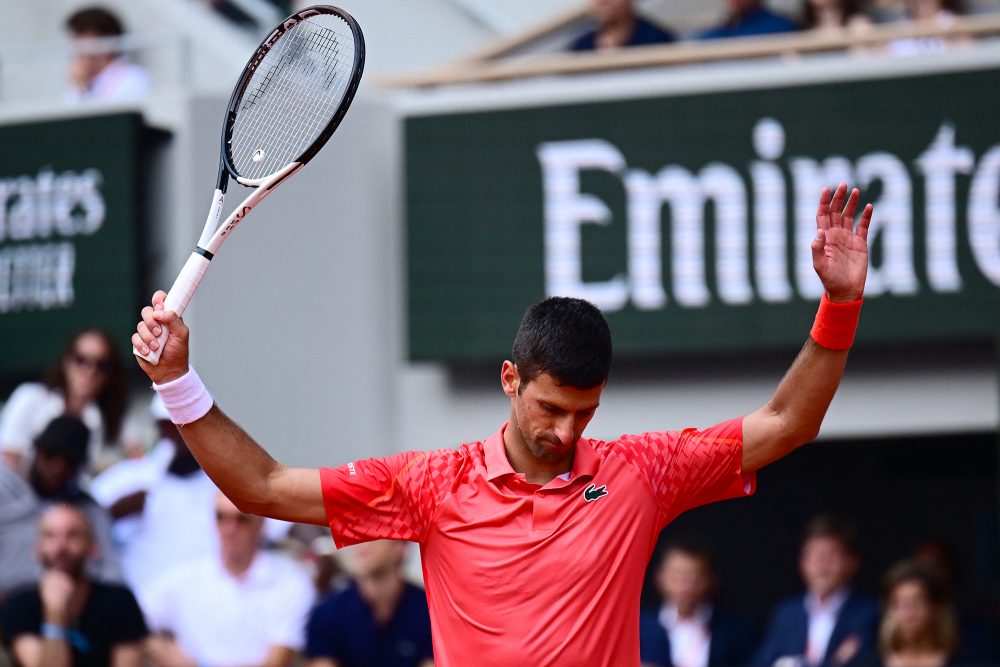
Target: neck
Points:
(826, 597)
(535, 470)
(828, 17)
(616, 31)
(687, 612)
(237, 564)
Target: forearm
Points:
(795, 412)
(237, 464)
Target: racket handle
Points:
(177, 300)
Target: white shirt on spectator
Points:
(221, 620)
(690, 639)
(29, 410)
(120, 81)
(822, 620)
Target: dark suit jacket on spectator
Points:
(645, 34)
(732, 644)
(789, 627)
(760, 22)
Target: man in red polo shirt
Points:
(534, 542)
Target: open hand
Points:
(840, 250)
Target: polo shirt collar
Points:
(585, 459)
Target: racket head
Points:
(293, 93)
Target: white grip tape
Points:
(178, 299)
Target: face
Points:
(239, 533)
(910, 609)
(375, 567)
(548, 417)
(87, 366)
(52, 472)
(684, 580)
(826, 565)
(88, 60)
(64, 540)
(741, 6)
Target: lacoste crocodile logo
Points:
(592, 492)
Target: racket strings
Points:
(292, 96)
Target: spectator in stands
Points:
(618, 25)
(68, 618)
(161, 505)
(938, 14)
(380, 619)
(689, 630)
(830, 624)
(919, 627)
(98, 70)
(239, 606)
(834, 16)
(87, 381)
(747, 18)
(54, 477)
(19, 509)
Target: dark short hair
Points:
(833, 527)
(67, 437)
(567, 338)
(692, 548)
(95, 20)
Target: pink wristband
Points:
(186, 398)
(836, 324)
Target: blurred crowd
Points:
(113, 555)
(618, 24)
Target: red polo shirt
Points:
(520, 574)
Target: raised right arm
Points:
(240, 467)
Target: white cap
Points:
(157, 410)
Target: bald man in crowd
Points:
(68, 619)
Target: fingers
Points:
(836, 205)
(866, 220)
(159, 296)
(823, 212)
(850, 207)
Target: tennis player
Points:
(534, 542)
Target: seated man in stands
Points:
(97, 71)
(67, 618)
(240, 606)
(688, 630)
(830, 624)
(747, 18)
(618, 25)
(380, 619)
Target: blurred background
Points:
(365, 308)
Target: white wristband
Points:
(186, 398)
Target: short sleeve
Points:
(391, 498)
(22, 615)
(18, 416)
(693, 467)
(290, 609)
(322, 636)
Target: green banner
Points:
(68, 234)
(688, 218)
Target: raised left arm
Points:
(794, 414)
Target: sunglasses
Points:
(102, 366)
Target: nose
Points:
(564, 430)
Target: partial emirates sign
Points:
(688, 219)
(68, 234)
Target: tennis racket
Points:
(292, 95)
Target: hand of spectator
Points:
(56, 589)
(840, 251)
(174, 359)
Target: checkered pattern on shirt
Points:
(394, 497)
(689, 468)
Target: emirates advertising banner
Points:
(68, 234)
(687, 219)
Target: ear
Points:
(510, 380)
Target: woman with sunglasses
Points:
(87, 381)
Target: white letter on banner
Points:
(892, 224)
(984, 215)
(770, 224)
(810, 177)
(681, 190)
(722, 184)
(939, 164)
(645, 258)
(566, 209)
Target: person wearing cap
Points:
(60, 452)
(161, 505)
(67, 618)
